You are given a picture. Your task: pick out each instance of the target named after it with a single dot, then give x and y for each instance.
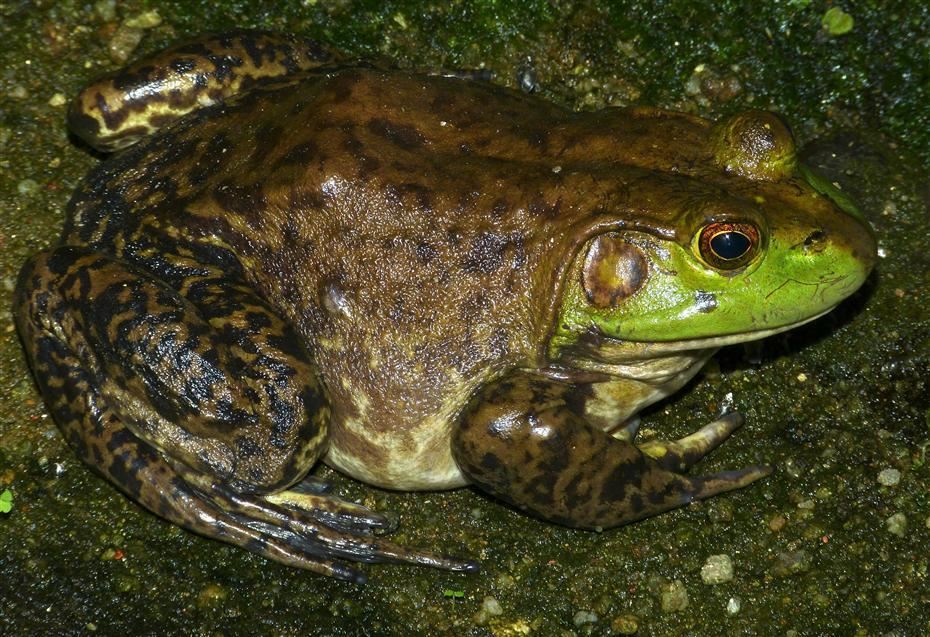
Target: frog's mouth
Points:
(598, 353)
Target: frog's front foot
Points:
(520, 441)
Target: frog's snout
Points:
(843, 251)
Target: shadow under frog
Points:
(423, 281)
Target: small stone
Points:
(583, 617)
(625, 625)
(105, 10)
(674, 597)
(777, 523)
(27, 186)
(124, 42)
(734, 605)
(505, 580)
(126, 583)
(791, 562)
(897, 524)
(18, 92)
(793, 468)
(491, 606)
(146, 20)
(717, 569)
(58, 99)
(889, 477)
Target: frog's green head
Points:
(742, 243)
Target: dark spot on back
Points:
(402, 135)
(489, 251)
(301, 154)
(341, 86)
(265, 140)
(182, 65)
(425, 252)
(248, 201)
(540, 207)
(421, 194)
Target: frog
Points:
(422, 280)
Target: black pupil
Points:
(730, 245)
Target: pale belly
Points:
(416, 454)
(419, 462)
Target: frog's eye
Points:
(728, 246)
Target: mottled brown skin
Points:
(524, 440)
(360, 265)
(168, 85)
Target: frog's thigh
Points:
(519, 441)
(211, 379)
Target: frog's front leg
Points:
(520, 440)
(196, 400)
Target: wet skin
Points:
(423, 281)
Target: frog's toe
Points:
(320, 549)
(680, 455)
(666, 489)
(333, 511)
(701, 487)
(310, 531)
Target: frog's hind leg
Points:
(197, 401)
(121, 108)
(520, 440)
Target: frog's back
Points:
(412, 228)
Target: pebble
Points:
(105, 10)
(625, 625)
(58, 99)
(717, 569)
(791, 562)
(674, 597)
(583, 617)
(146, 20)
(889, 477)
(491, 606)
(211, 596)
(897, 524)
(124, 42)
(27, 186)
(734, 605)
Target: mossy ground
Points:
(820, 548)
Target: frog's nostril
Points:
(817, 236)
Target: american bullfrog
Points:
(424, 281)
